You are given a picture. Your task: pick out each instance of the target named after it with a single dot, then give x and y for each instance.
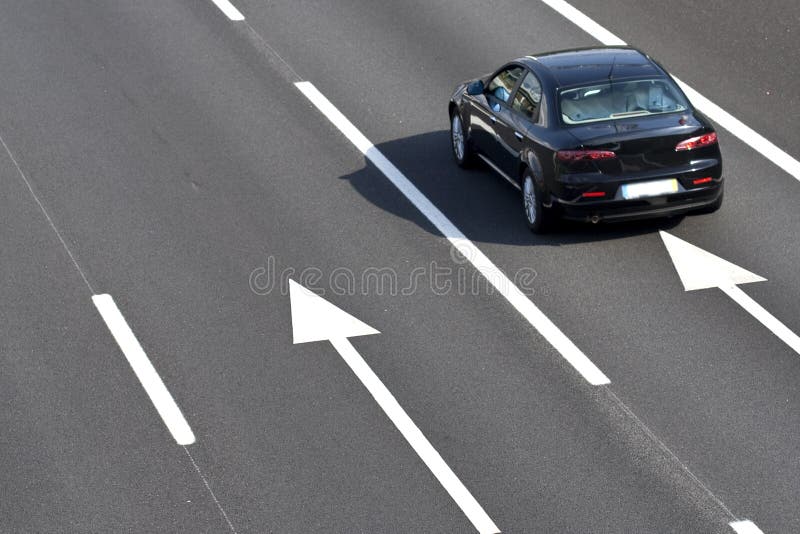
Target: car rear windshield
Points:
(619, 100)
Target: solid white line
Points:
(745, 527)
(764, 317)
(585, 23)
(144, 370)
(229, 9)
(495, 276)
(460, 494)
(746, 134)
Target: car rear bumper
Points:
(642, 208)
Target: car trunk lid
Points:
(640, 143)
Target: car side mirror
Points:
(475, 88)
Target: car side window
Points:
(502, 85)
(528, 97)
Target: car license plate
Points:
(650, 189)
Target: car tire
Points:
(715, 206)
(459, 141)
(538, 217)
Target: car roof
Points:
(596, 64)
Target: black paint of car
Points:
(592, 134)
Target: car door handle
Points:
(493, 119)
(519, 136)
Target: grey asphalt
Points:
(172, 152)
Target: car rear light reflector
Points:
(584, 155)
(594, 194)
(702, 180)
(697, 142)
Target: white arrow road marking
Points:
(144, 370)
(316, 319)
(568, 350)
(757, 142)
(312, 321)
(745, 527)
(699, 269)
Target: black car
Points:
(589, 134)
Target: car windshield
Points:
(619, 100)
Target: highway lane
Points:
(171, 208)
(80, 448)
(153, 221)
(287, 441)
(689, 362)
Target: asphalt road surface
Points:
(160, 152)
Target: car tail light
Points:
(594, 194)
(584, 155)
(697, 142)
(700, 181)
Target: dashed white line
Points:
(165, 405)
(229, 9)
(746, 134)
(745, 527)
(144, 370)
(483, 264)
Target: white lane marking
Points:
(144, 370)
(484, 265)
(229, 9)
(746, 134)
(745, 527)
(460, 494)
(584, 22)
(764, 317)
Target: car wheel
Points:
(716, 205)
(462, 152)
(536, 215)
